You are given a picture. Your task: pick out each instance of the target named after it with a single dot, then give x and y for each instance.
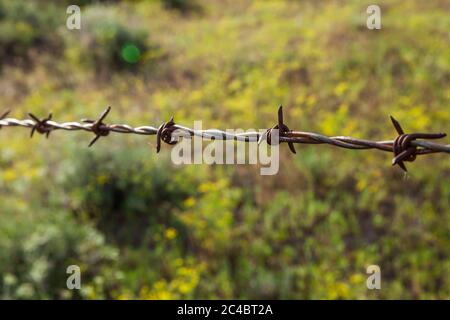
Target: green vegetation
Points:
(25, 25)
(108, 42)
(140, 227)
(183, 6)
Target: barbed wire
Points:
(405, 147)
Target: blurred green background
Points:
(140, 227)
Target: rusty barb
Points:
(164, 133)
(283, 131)
(98, 127)
(405, 147)
(41, 126)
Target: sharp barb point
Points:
(280, 115)
(397, 125)
(4, 114)
(33, 117)
(93, 141)
(402, 165)
(292, 148)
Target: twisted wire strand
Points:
(405, 147)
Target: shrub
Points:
(37, 250)
(107, 43)
(25, 25)
(183, 6)
(141, 193)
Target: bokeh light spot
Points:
(130, 53)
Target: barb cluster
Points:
(405, 147)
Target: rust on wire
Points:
(405, 147)
(41, 126)
(164, 133)
(98, 127)
(402, 147)
(283, 131)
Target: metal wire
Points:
(405, 147)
